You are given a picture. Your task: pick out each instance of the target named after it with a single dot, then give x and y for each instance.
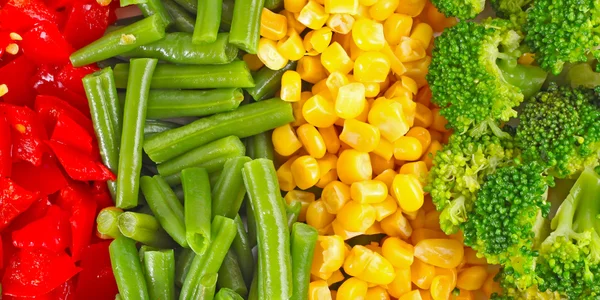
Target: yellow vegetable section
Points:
(358, 153)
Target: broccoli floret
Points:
(507, 219)
(561, 31)
(532, 293)
(467, 81)
(511, 9)
(462, 9)
(560, 128)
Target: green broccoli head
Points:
(511, 9)
(462, 9)
(561, 31)
(508, 217)
(467, 82)
(560, 128)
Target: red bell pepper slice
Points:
(16, 75)
(5, 148)
(44, 44)
(63, 292)
(71, 77)
(27, 133)
(14, 200)
(50, 232)
(87, 22)
(72, 134)
(49, 108)
(1, 254)
(78, 165)
(96, 280)
(37, 210)
(20, 15)
(46, 178)
(36, 271)
(77, 199)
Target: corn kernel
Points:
(473, 259)
(339, 230)
(367, 2)
(320, 39)
(353, 166)
(310, 68)
(389, 117)
(268, 54)
(490, 285)
(432, 220)
(377, 293)
(335, 195)
(319, 87)
(423, 116)
(379, 270)
(326, 178)
(387, 177)
(352, 288)
(472, 278)
(395, 64)
(423, 33)
(345, 40)
(355, 52)
(407, 190)
(340, 23)
(285, 141)
(383, 9)
(312, 140)
(317, 216)
(443, 253)
(284, 175)
(364, 115)
(422, 134)
(422, 274)
(395, 27)
(424, 96)
(305, 199)
(335, 81)
(368, 35)
(291, 46)
(379, 164)
(313, 15)
(439, 122)
(356, 217)
(272, 25)
(407, 148)
(425, 234)
(401, 284)
(319, 290)
(368, 191)
(335, 58)
(411, 7)
(336, 277)
(253, 62)
(441, 287)
(371, 89)
(397, 90)
(328, 230)
(384, 150)
(357, 260)
(328, 257)
(409, 50)
(341, 6)
(385, 208)
(319, 111)
(291, 86)
(465, 295)
(297, 109)
(305, 170)
(431, 152)
(330, 136)
(350, 100)
(396, 225)
(361, 136)
(374, 229)
(327, 168)
(371, 67)
(417, 70)
(398, 252)
(409, 108)
(294, 6)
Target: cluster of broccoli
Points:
(519, 176)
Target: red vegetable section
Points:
(52, 181)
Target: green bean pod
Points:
(273, 234)
(304, 240)
(251, 222)
(182, 267)
(232, 75)
(208, 20)
(243, 251)
(108, 221)
(122, 40)
(189, 5)
(228, 194)
(155, 7)
(253, 292)
(157, 126)
(132, 137)
(182, 20)
(177, 48)
(227, 14)
(160, 274)
(166, 207)
(214, 176)
(197, 199)
(274, 5)
(260, 146)
(268, 82)
(228, 294)
(207, 287)
(230, 275)
(128, 269)
(293, 212)
(192, 103)
(245, 25)
(145, 229)
(245, 121)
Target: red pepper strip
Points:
(78, 165)
(21, 15)
(46, 178)
(71, 134)
(44, 44)
(87, 22)
(5, 148)
(96, 280)
(5, 40)
(27, 135)
(64, 292)
(77, 199)
(71, 77)
(37, 271)
(16, 75)
(102, 195)
(1, 254)
(50, 232)
(49, 108)
(14, 200)
(37, 210)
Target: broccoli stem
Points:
(529, 79)
(582, 75)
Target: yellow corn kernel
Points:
(272, 25)
(328, 230)
(319, 111)
(330, 136)
(409, 107)
(335, 195)
(305, 199)
(407, 148)
(424, 95)
(268, 54)
(396, 225)
(395, 64)
(319, 87)
(471, 278)
(423, 116)
(425, 234)
(253, 62)
(385, 208)
(364, 115)
(452, 273)
(317, 216)
(435, 135)
(336, 277)
(432, 220)
(443, 253)
(310, 68)
(352, 288)
(384, 85)
(291, 86)
(473, 259)
(409, 50)
(354, 50)
(292, 23)
(422, 273)
(464, 295)
(423, 33)
(441, 287)
(401, 284)
(335, 58)
(387, 177)
(395, 27)
(339, 230)
(328, 257)
(357, 260)
(422, 134)
(372, 89)
(490, 285)
(374, 229)
(367, 2)
(439, 122)
(312, 140)
(368, 35)
(383, 9)
(407, 190)
(431, 152)
(345, 40)
(361, 136)
(409, 84)
(340, 23)
(379, 164)
(291, 46)
(284, 175)
(411, 7)
(305, 170)
(379, 270)
(417, 70)
(389, 117)
(320, 39)
(335, 81)
(343, 146)
(377, 293)
(417, 168)
(398, 252)
(412, 295)
(350, 101)
(414, 215)
(356, 217)
(384, 150)
(297, 109)
(327, 163)
(313, 15)
(285, 141)
(294, 6)
(368, 191)
(341, 6)
(319, 290)
(326, 178)
(353, 166)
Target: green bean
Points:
(108, 221)
(214, 176)
(208, 20)
(166, 207)
(228, 294)
(232, 75)
(253, 293)
(274, 5)
(192, 103)
(106, 115)
(127, 269)
(132, 137)
(207, 287)
(184, 261)
(273, 234)
(260, 146)
(293, 211)
(227, 14)
(155, 7)
(118, 297)
(243, 251)
(304, 240)
(245, 26)
(228, 193)
(189, 5)
(230, 275)
(145, 229)
(179, 192)
(143, 250)
(182, 20)
(245, 121)
(157, 126)
(160, 274)
(222, 232)
(177, 48)
(131, 2)
(251, 222)
(268, 82)
(125, 39)
(197, 199)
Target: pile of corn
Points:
(365, 133)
